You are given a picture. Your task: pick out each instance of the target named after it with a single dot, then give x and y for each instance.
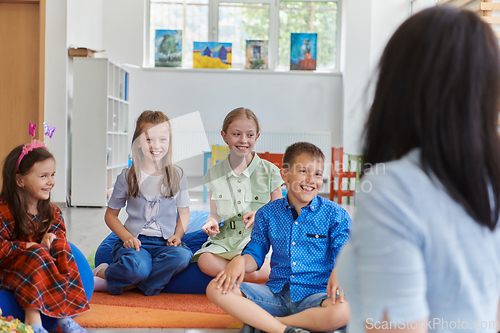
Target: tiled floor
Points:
(86, 229)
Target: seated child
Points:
(36, 262)
(149, 251)
(239, 186)
(306, 233)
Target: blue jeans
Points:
(149, 269)
(279, 305)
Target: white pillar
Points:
(369, 26)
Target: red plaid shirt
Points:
(39, 277)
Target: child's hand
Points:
(132, 243)
(248, 219)
(173, 241)
(211, 228)
(232, 275)
(333, 289)
(30, 244)
(47, 240)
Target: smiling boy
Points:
(305, 232)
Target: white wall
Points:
(369, 26)
(284, 102)
(55, 91)
(68, 23)
(85, 24)
(357, 70)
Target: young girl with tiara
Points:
(36, 262)
(238, 187)
(149, 249)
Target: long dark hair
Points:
(16, 196)
(438, 89)
(170, 184)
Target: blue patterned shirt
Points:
(304, 248)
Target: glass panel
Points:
(239, 22)
(309, 17)
(190, 16)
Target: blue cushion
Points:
(190, 281)
(10, 307)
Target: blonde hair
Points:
(170, 184)
(240, 113)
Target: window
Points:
(313, 17)
(239, 21)
(190, 16)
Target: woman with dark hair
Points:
(425, 247)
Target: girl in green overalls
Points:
(238, 187)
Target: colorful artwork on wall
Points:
(168, 48)
(256, 54)
(303, 51)
(212, 55)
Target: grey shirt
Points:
(146, 209)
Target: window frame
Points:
(274, 23)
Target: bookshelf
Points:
(100, 133)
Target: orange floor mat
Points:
(133, 309)
(122, 316)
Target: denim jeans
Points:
(149, 269)
(279, 305)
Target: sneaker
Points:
(98, 268)
(38, 328)
(295, 330)
(100, 284)
(68, 325)
(247, 329)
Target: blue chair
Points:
(217, 154)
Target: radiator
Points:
(273, 142)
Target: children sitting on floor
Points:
(305, 232)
